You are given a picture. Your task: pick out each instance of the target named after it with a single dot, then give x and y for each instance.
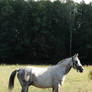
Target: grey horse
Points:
(51, 77)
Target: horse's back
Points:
(35, 70)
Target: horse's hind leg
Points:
(24, 86)
(24, 89)
(23, 83)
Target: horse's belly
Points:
(42, 85)
(43, 82)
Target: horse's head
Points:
(76, 63)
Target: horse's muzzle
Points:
(80, 69)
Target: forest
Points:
(44, 32)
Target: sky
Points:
(86, 1)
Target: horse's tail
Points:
(11, 79)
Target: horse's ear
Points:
(76, 55)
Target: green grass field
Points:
(74, 82)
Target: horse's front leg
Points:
(55, 89)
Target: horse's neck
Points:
(67, 68)
(66, 65)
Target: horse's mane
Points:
(61, 61)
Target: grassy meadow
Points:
(74, 82)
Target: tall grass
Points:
(90, 75)
(74, 82)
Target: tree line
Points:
(44, 32)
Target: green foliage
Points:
(40, 30)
